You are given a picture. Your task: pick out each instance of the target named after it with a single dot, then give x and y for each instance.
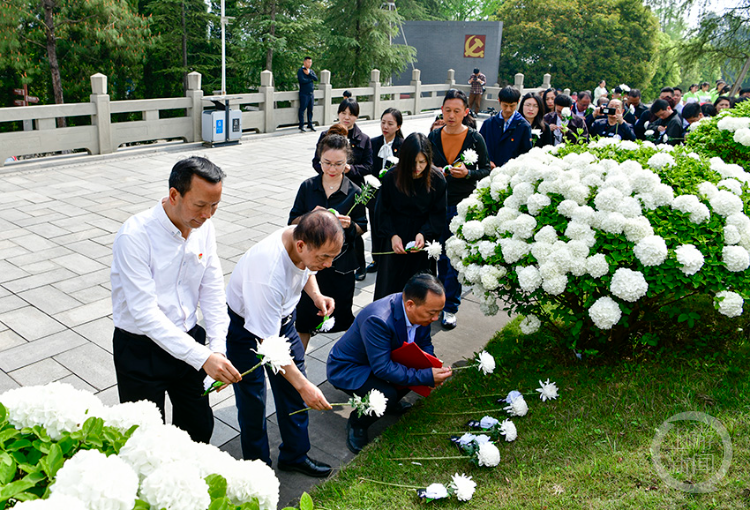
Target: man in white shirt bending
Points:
(164, 264)
(262, 296)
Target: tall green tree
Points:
(358, 36)
(55, 45)
(579, 42)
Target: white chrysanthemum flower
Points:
(597, 265)
(731, 235)
(517, 407)
(470, 156)
(488, 455)
(736, 258)
(434, 249)
(57, 407)
(690, 258)
(149, 448)
(725, 203)
(486, 363)
(54, 502)
(100, 482)
(605, 312)
(376, 403)
(742, 136)
(176, 487)
(328, 324)
(628, 285)
(472, 230)
(373, 181)
(508, 429)
(537, 202)
(276, 351)
(548, 390)
(732, 185)
(143, 413)
(530, 324)
(637, 229)
(651, 251)
(463, 486)
(730, 303)
(436, 490)
(529, 278)
(660, 161)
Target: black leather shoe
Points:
(372, 267)
(309, 467)
(356, 438)
(360, 274)
(302, 129)
(399, 409)
(311, 128)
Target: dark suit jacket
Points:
(506, 144)
(575, 123)
(377, 143)
(378, 330)
(361, 161)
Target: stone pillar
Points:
(417, 84)
(546, 81)
(518, 83)
(375, 86)
(195, 94)
(102, 118)
(566, 92)
(266, 88)
(325, 86)
(451, 81)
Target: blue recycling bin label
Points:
(219, 126)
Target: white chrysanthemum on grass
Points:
(548, 390)
(486, 363)
(143, 413)
(276, 352)
(508, 429)
(52, 503)
(176, 487)
(518, 406)
(605, 312)
(530, 324)
(628, 285)
(100, 482)
(736, 258)
(488, 455)
(57, 407)
(651, 251)
(729, 303)
(690, 259)
(463, 486)
(433, 249)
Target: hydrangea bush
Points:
(591, 241)
(726, 136)
(61, 448)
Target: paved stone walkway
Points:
(58, 220)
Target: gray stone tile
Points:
(109, 396)
(7, 383)
(46, 347)
(49, 300)
(34, 242)
(40, 373)
(42, 266)
(321, 353)
(316, 370)
(226, 411)
(86, 313)
(90, 249)
(38, 280)
(91, 363)
(91, 294)
(39, 256)
(77, 383)
(223, 433)
(10, 272)
(10, 339)
(30, 323)
(11, 302)
(100, 332)
(78, 263)
(83, 282)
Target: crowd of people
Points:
(165, 260)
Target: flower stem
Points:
(391, 484)
(491, 394)
(467, 412)
(310, 408)
(218, 384)
(463, 367)
(430, 458)
(443, 433)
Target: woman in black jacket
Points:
(532, 110)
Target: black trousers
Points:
(145, 371)
(390, 391)
(306, 102)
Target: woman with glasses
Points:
(532, 109)
(331, 190)
(359, 164)
(410, 211)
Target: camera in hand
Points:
(609, 111)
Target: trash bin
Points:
(217, 126)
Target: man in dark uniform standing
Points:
(306, 76)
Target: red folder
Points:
(411, 356)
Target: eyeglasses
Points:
(337, 166)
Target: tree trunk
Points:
(741, 78)
(271, 33)
(54, 67)
(184, 50)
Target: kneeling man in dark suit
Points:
(361, 359)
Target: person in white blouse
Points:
(165, 264)
(262, 297)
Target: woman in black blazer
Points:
(532, 109)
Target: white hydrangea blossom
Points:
(732, 185)
(742, 136)
(176, 487)
(605, 312)
(123, 416)
(637, 229)
(690, 259)
(472, 230)
(689, 204)
(731, 235)
(513, 249)
(597, 266)
(736, 258)
(530, 324)
(529, 278)
(628, 285)
(546, 234)
(149, 448)
(730, 303)
(725, 203)
(651, 251)
(733, 124)
(661, 160)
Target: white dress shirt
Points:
(411, 329)
(266, 286)
(158, 278)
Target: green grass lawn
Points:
(591, 448)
